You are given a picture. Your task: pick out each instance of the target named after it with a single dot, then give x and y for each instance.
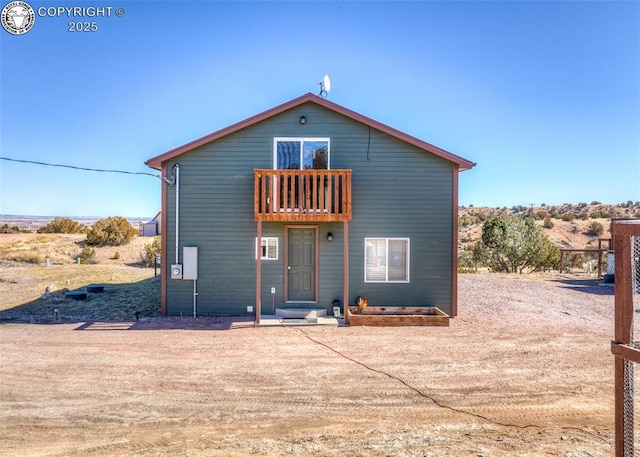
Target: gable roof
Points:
(463, 164)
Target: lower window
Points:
(268, 248)
(386, 260)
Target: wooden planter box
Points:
(395, 316)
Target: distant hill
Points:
(33, 223)
(570, 222)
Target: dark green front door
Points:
(301, 270)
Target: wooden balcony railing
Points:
(302, 195)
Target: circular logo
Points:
(18, 17)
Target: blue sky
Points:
(544, 96)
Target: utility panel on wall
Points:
(190, 263)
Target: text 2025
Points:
(83, 26)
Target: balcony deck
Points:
(302, 195)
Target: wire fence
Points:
(632, 437)
(626, 344)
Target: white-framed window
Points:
(268, 248)
(386, 259)
(301, 153)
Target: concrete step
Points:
(300, 313)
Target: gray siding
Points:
(401, 191)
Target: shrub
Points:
(541, 214)
(86, 255)
(595, 229)
(112, 231)
(465, 264)
(467, 220)
(22, 256)
(574, 260)
(62, 225)
(150, 251)
(595, 202)
(568, 217)
(116, 256)
(472, 257)
(13, 229)
(548, 223)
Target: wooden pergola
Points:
(599, 251)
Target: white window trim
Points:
(267, 239)
(301, 140)
(408, 241)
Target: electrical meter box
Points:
(176, 271)
(190, 263)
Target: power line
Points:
(79, 168)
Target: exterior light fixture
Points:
(303, 120)
(330, 236)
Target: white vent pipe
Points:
(176, 176)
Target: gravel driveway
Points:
(525, 370)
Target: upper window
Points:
(386, 260)
(301, 154)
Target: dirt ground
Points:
(525, 370)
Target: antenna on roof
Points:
(325, 86)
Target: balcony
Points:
(302, 195)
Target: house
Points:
(305, 204)
(152, 227)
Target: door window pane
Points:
(316, 155)
(288, 155)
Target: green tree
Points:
(112, 231)
(62, 225)
(515, 244)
